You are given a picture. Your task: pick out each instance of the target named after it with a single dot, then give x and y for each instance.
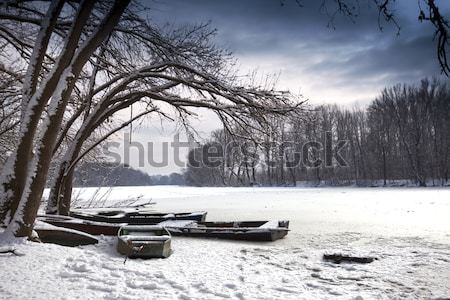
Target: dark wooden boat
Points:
(248, 231)
(63, 236)
(91, 227)
(144, 241)
(137, 218)
(339, 258)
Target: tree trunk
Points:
(15, 174)
(66, 196)
(384, 167)
(15, 182)
(23, 221)
(55, 190)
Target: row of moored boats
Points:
(148, 234)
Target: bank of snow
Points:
(200, 269)
(414, 260)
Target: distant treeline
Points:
(95, 174)
(404, 134)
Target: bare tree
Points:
(111, 58)
(56, 86)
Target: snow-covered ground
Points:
(408, 229)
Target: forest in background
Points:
(399, 138)
(402, 136)
(98, 174)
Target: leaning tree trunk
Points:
(62, 182)
(23, 221)
(55, 189)
(66, 194)
(13, 183)
(65, 166)
(13, 179)
(61, 189)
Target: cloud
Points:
(349, 63)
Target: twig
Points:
(11, 250)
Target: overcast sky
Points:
(347, 63)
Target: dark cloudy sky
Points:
(348, 64)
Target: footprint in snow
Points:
(100, 288)
(115, 274)
(133, 284)
(175, 285)
(70, 275)
(120, 296)
(79, 267)
(160, 275)
(184, 297)
(110, 267)
(231, 286)
(285, 290)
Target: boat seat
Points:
(158, 238)
(140, 233)
(141, 228)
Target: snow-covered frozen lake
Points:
(408, 229)
(383, 211)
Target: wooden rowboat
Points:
(91, 227)
(144, 241)
(137, 218)
(63, 236)
(248, 231)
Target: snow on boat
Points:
(63, 236)
(144, 241)
(91, 227)
(137, 218)
(246, 230)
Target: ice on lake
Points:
(408, 229)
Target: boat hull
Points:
(148, 250)
(256, 236)
(91, 227)
(140, 218)
(64, 237)
(247, 231)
